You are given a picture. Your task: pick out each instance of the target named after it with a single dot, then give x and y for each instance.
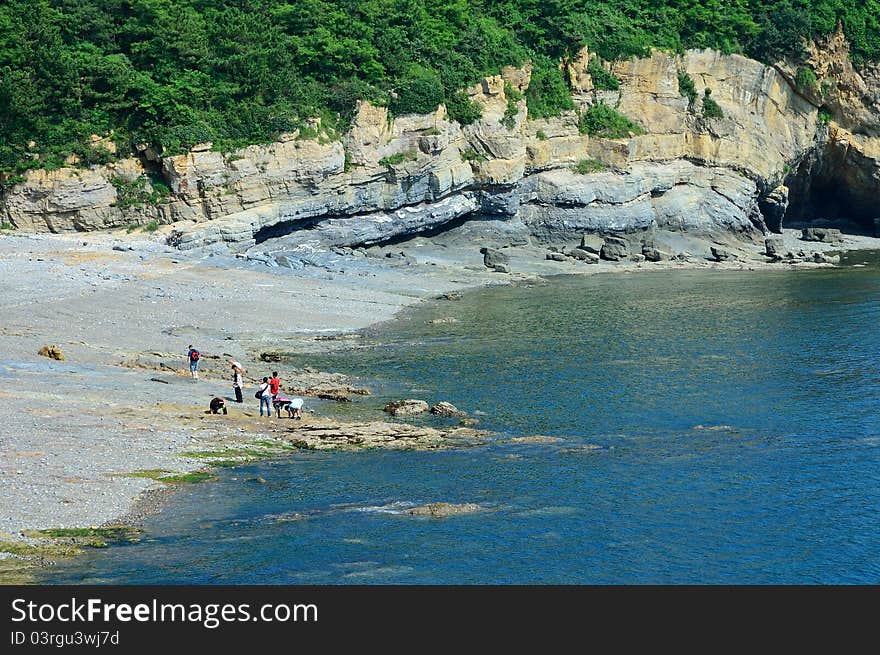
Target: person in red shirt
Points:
(274, 384)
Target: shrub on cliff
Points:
(711, 109)
(603, 121)
(419, 92)
(175, 73)
(602, 79)
(461, 108)
(548, 93)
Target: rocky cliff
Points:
(776, 151)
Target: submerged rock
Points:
(441, 510)
(444, 408)
(407, 407)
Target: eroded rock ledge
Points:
(390, 178)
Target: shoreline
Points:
(78, 429)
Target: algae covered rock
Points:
(442, 510)
(407, 407)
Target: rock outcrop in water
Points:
(772, 154)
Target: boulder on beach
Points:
(443, 321)
(441, 510)
(583, 255)
(492, 258)
(614, 249)
(652, 254)
(592, 243)
(408, 407)
(52, 352)
(773, 246)
(444, 408)
(822, 234)
(555, 256)
(721, 255)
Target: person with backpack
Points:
(264, 393)
(193, 356)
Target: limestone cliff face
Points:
(392, 177)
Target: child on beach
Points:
(274, 384)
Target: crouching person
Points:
(218, 405)
(281, 402)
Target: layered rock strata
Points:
(392, 177)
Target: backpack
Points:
(194, 355)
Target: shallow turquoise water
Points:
(735, 416)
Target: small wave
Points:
(380, 572)
(397, 507)
(552, 510)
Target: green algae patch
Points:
(161, 475)
(149, 474)
(89, 537)
(188, 478)
(24, 559)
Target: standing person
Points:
(265, 396)
(237, 381)
(274, 384)
(193, 356)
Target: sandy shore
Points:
(123, 309)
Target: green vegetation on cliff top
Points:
(172, 73)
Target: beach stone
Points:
(444, 408)
(556, 256)
(335, 397)
(721, 255)
(583, 255)
(822, 258)
(443, 321)
(441, 510)
(270, 356)
(823, 234)
(52, 352)
(652, 254)
(407, 407)
(773, 246)
(614, 249)
(637, 257)
(592, 243)
(493, 257)
(501, 268)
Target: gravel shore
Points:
(74, 431)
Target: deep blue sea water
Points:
(735, 415)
